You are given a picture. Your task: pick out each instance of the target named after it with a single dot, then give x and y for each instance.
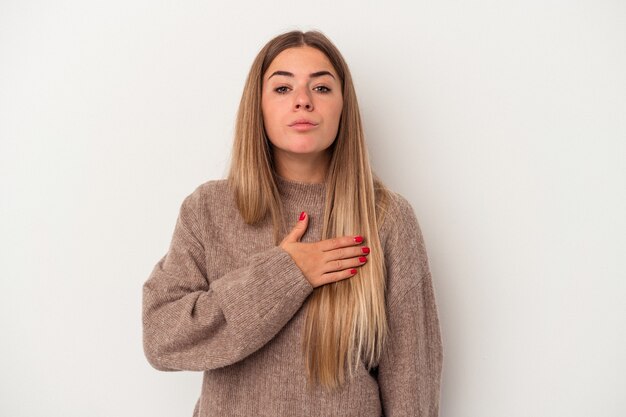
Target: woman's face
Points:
(301, 102)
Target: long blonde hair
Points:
(345, 321)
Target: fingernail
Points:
(362, 259)
(365, 250)
(302, 215)
(358, 239)
(353, 271)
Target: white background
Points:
(502, 122)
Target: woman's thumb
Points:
(298, 230)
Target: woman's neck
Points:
(302, 168)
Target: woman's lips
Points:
(303, 125)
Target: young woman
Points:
(300, 285)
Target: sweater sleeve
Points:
(409, 371)
(189, 324)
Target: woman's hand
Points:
(325, 261)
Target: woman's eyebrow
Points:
(312, 75)
(320, 73)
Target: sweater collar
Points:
(301, 193)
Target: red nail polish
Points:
(302, 215)
(358, 239)
(353, 271)
(365, 250)
(362, 259)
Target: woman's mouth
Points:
(303, 124)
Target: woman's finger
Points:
(345, 253)
(338, 276)
(298, 230)
(341, 264)
(340, 242)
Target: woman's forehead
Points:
(300, 62)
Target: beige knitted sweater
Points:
(227, 301)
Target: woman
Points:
(334, 317)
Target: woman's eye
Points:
(281, 90)
(322, 89)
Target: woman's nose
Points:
(303, 101)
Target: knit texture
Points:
(227, 301)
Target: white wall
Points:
(503, 122)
